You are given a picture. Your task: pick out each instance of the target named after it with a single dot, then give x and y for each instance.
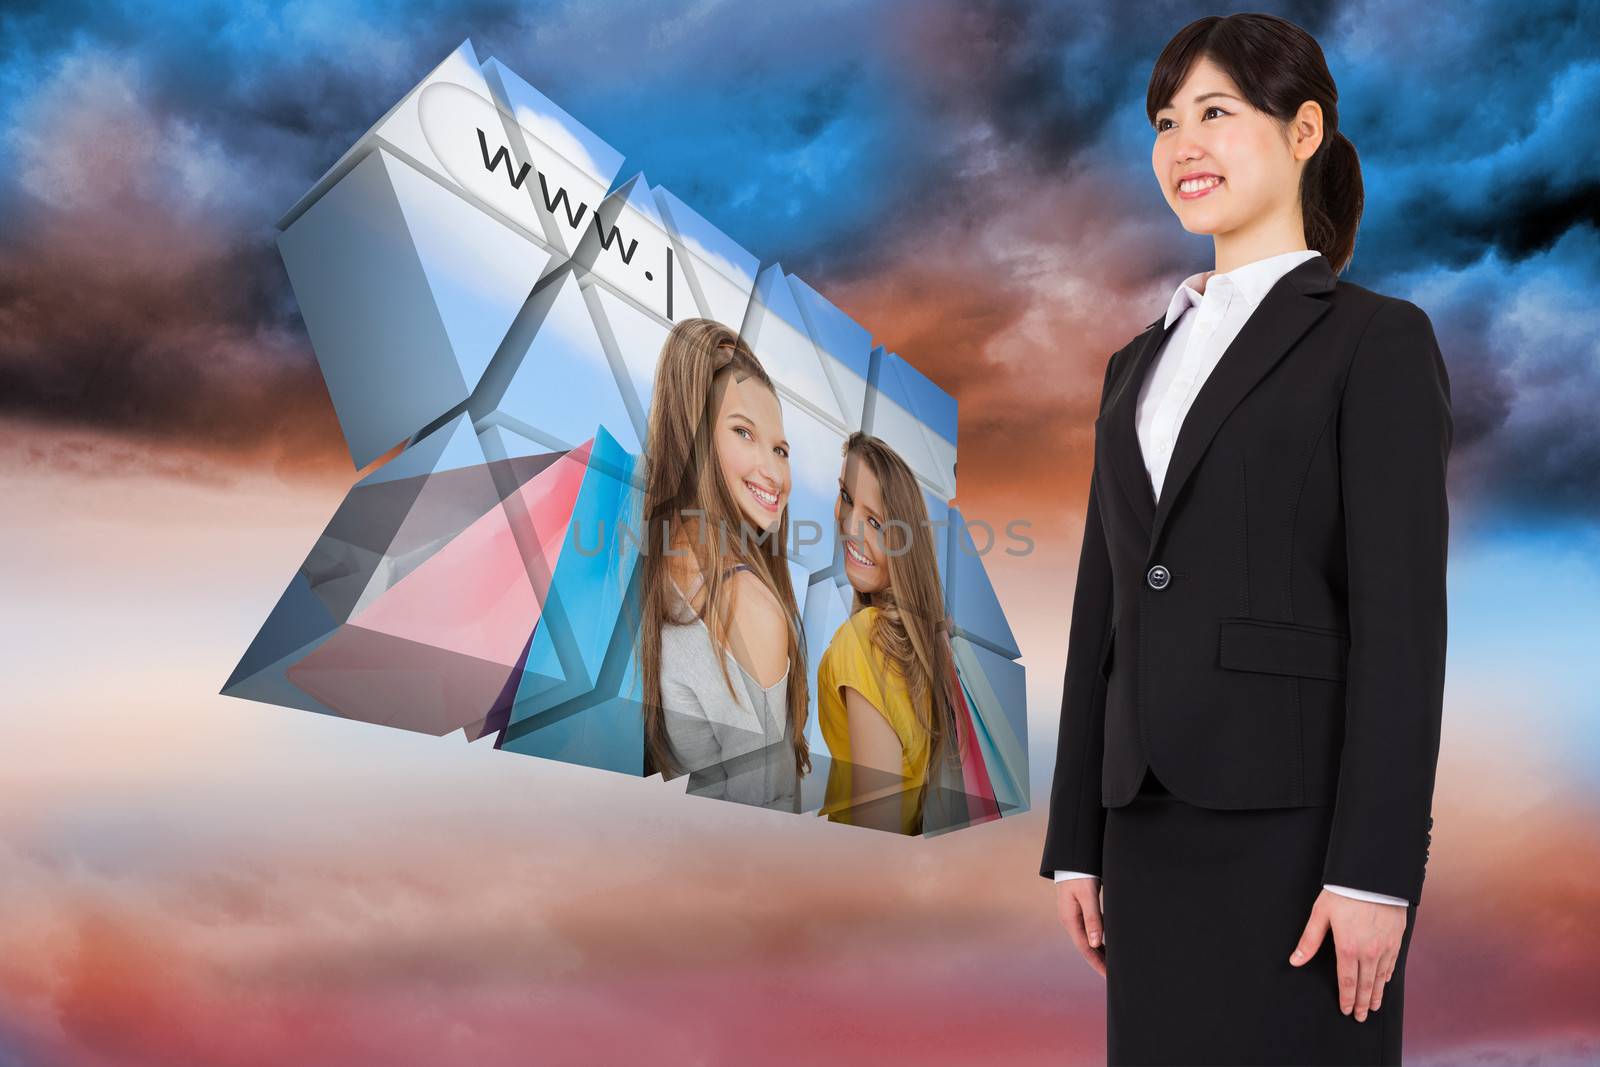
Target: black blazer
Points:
(1272, 632)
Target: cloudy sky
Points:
(189, 878)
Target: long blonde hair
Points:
(912, 630)
(700, 359)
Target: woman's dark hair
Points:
(1277, 66)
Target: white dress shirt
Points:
(1224, 302)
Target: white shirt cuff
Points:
(1363, 894)
(1358, 894)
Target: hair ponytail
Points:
(1331, 198)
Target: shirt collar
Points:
(1252, 281)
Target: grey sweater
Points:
(736, 746)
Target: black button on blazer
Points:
(1290, 648)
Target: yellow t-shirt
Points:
(852, 660)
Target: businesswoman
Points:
(720, 642)
(1240, 814)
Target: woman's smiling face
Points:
(752, 452)
(1208, 129)
(858, 516)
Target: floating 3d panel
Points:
(559, 361)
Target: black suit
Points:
(1272, 633)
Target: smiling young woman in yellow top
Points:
(868, 793)
(884, 721)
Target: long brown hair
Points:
(700, 359)
(1278, 66)
(912, 630)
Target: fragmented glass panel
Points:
(651, 505)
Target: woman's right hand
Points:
(1078, 906)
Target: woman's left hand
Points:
(1366, 943)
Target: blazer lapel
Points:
(1289, 309)
(1121, 428)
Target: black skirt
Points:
(1202, 909)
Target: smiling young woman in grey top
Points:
(735, 743)
(721, 646)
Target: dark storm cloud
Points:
(138, 295)
(146, 153)
(1482, 196)
(145, 158)
(1475, 131)
(1049, 76)
(1523, 347)
(1483, 206)
(1470, 127)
